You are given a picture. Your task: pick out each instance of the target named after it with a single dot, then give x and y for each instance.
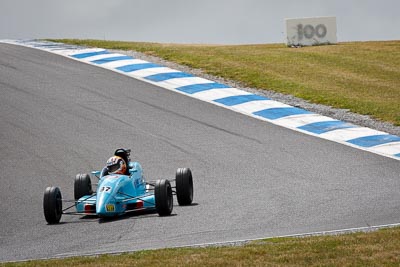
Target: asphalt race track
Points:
(59, 117)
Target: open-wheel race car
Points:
(119, 190)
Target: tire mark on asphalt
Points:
(158, 137)
(200, 122)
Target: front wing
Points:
(122, 203)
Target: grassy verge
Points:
(363, 77)
(379, 248)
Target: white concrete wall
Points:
(311, 31)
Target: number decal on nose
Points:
(106, 189)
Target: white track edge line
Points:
(224, 243)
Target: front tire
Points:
(184, 186)
(52, 205)
(163, 197)
(82, 186)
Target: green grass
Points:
(379, 248)
(363, 77)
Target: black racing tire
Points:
(163, 197)
(82, 186)
(52, 205)
(184, 186)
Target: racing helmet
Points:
(116, 165)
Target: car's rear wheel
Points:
(52, 205)
(82, 186)
(163, 197)
(184, 186)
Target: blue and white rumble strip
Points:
(244, 102)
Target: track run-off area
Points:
(252, 178)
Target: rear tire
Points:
(82, 186)
(163, 197)
(184, 186)
(52, 205)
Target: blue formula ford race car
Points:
(121, 188)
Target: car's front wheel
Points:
(184, 186)
(52, 205)
(163, 197)
(82, 186)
